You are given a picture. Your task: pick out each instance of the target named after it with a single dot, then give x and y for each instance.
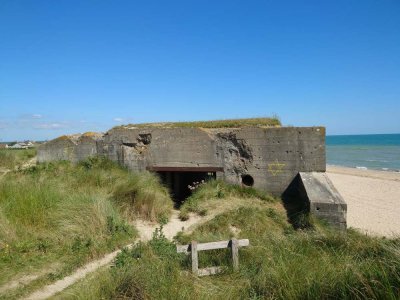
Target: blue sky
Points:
(76, 66)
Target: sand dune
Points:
(373, 199)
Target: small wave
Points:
(361, 168)
(377, 160)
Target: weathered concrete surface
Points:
(272, 156)
(75, 147)
(324, 200)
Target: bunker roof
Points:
(229, 123)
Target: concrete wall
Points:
(272, 156)
(324, 200)
(279, 160)
(278, 154)
(75, 147)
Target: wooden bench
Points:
(194, 247)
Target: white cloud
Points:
(51, 126)
(37, 116)
(118, 119)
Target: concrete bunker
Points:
(245, 152)
(181, 181)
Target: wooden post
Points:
(195, 262)
(193, 248)
(235, 254)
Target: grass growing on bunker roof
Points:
(228, 123)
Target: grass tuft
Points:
(273, 121)
(280, 263)
(145, 196)
(217, 191)
(11, 158)
(66, 214)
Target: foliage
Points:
(217, 191)
(11, 158)
(273, 121)
(280, 263)
(142, 194)
(60, 213)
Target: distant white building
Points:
(21, 145)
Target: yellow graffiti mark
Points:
(276, 167)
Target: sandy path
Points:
(145, 229)
(60, 285)
(373, 199)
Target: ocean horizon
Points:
(364, 151)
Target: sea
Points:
(367, 151)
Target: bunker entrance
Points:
(182, 181)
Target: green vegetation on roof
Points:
(230, 123)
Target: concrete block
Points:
(325, 201)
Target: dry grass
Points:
(281, 263)
(229, 123)
(70, 214)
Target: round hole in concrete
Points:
(247, 180)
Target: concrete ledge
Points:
(325, 201)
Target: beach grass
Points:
(143, 195)
(10, 158)
(57, 216)
(216, 193)
(280, 263)
(273, 121)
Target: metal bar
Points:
(184, 169)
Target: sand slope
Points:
(373, 199)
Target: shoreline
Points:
(365, 168)
(370, 173)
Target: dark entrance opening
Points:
(247, 180)
(180, 180)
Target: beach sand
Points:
(373, 199)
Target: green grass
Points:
(229, 123)
(10, 158)
(281, 263)
(143, 195)
(217, 193)
(58, 216)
